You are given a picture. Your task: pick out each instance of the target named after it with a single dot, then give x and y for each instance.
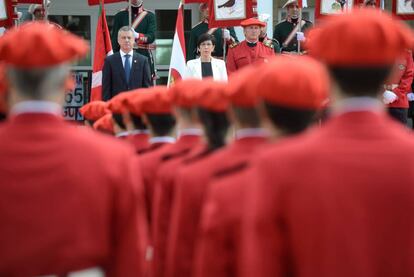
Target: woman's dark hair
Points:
(360, 81)
(206, 37)
(289, 120)
(216, 125)
(161, 124)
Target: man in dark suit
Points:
(126, 69)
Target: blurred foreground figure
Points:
(338, 201)
(70, 199)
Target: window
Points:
(79, 25)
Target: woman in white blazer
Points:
(206, 66)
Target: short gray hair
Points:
(38, 83)
(126, 29)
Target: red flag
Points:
(404, 9)
(103, 48)
(177, 64)
(195, 1)
(226, 13)
(97, 2)
(40, 2)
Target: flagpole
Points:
(129, 14)
(45, 9)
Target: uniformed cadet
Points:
(289, 31)
(333, 201)
(286, 111)
(190, 179)
(251, 50)
(229, 35)
(105, 124)
(189, 135)
(145, 26)
(263, 34)
(71, 200)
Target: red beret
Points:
(212, 96)
(118, 104)
(40, 44)
(252, 21)
(364, 37)
(105, 123)
(294, 82)
(154, 100)
(94, 110)
(238, 93)
(185, 93)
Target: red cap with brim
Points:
(252, 22)
(105, 123)
(94, 110)
(365, 37)
(39, 45)
(304, 83)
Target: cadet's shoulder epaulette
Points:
(268, 43)
(234, 44)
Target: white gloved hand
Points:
(226, 34)
(300, 36)
(410, 96)
(388, 97)
(136, 35)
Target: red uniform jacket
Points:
(163, 198)
(402, 78)
(336, 202)
(191, 186)
(140, 141)
(150, 160)
(70, 199)
(242, 55)
(220, 225)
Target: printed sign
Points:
(75, 99)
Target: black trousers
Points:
(399, 114)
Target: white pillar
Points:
(266, 6)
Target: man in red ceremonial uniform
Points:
(398, 86)
(338, 200)
(250, 50)
(288, 111)
(70, 200)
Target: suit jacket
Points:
(191, 187)
(113, 75)
(69, 199)
(219, 69)
(335, 202)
